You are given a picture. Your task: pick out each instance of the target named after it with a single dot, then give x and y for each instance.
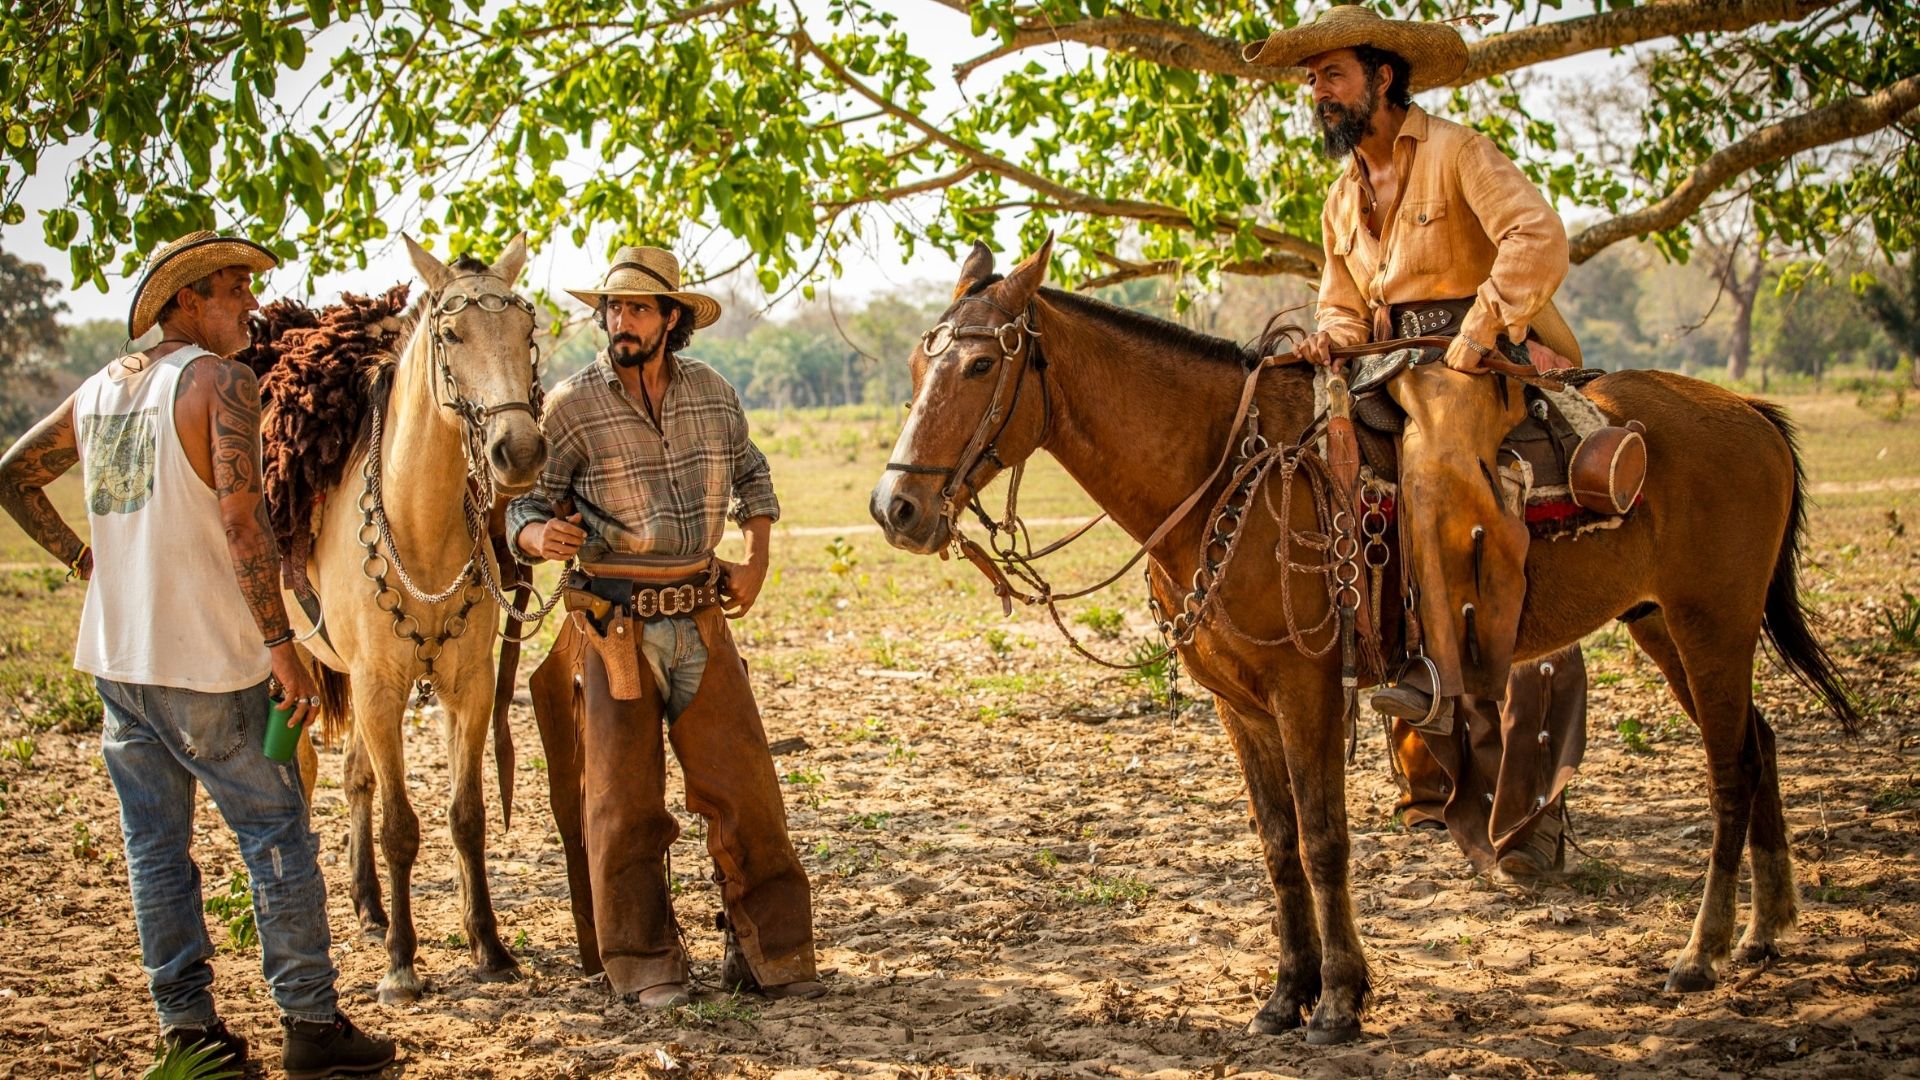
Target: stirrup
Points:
(1427, 721)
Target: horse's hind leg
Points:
(366, 879)
(1775, 903)
(378, 709)
(1256, 741)
(1703, 655)
(469, 712)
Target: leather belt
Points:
(643, 600)
(1431, 318)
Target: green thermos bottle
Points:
(282, 738)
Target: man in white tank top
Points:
(182, 625)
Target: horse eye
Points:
(447, 335)
(981, 366)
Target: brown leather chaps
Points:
(1496, 781)
(606, 767)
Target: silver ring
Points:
(311, 700)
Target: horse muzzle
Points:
(910, 518)
(516, 453)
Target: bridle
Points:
(1019, 340)
(476, 577)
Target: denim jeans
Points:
(158, 743)
(673, 649)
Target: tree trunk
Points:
(1740, 345)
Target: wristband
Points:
(1475, 346)
(73, 568)
(280, 639)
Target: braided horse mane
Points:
(320, 372)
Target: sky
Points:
(941, 34)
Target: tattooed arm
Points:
(40, 456)
(227, 441)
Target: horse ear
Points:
(512, 260)
(1026, 279)
(977, 268)
(431, 269)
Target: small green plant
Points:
(999, 641)
(66, 702)
(1895, 797)
(1103, 621)
(809, 782)
(1108, 891)
(521, 941)
(84, 848)
(20, 750)
(1634, 736)
(200, 1061)
(235, 908)
(899, 751)
(1047, 859)
(456, 940)
(886, 652)
(870, 821)
(1150, 672)
(1902, 621)
(841, 559)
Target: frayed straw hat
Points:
(1436, 52)
(185, 261)
(649, 271)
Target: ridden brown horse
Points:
(1139, 411)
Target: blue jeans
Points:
(158, 742)
(673, 649)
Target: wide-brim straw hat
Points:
(185, 261)
(1435, 51)
(649, 271)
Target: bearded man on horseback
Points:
(649, 458)
(1432, 231)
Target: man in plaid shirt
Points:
(649, 456)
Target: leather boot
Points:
(1540, 854)
(1410, 698)
(312, 1051)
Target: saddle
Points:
(1564, 458)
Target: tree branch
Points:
(1846, 119)
(1174, 45)
(1264, 266)
(1068, 198)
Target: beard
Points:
(1342, 128)
(631, 350)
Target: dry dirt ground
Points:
(1026, 868)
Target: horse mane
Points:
(1155, 329)
(320, 373)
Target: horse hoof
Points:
(1685, 980)
(1332, 1034)
(399, 988)
(1756, 952)
(509, 972)
(373, 933)
(1274, 1021)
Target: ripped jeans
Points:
(159, 742)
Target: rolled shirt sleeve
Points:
(556, 480)
(1529, 239)
(752, 477)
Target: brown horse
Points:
(1139, 411)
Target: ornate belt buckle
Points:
(646, 603)
(677, 601)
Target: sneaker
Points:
(312, 1051)
(228, 1046)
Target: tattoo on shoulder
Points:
(234, 422)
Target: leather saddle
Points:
(1601, 468)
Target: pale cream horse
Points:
(405, 577)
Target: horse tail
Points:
(336, 704)
(1786, 619)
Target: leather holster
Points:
(615, 638)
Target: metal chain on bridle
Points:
(1010, 556)
(476, 576)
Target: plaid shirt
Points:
(646, 488)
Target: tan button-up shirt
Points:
(1468, 223)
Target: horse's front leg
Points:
(377, 707)
(469, 716)
(1256, 741)
(1308, 707)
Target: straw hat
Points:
(649, 271)
(1436, 51)
(185, 261)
